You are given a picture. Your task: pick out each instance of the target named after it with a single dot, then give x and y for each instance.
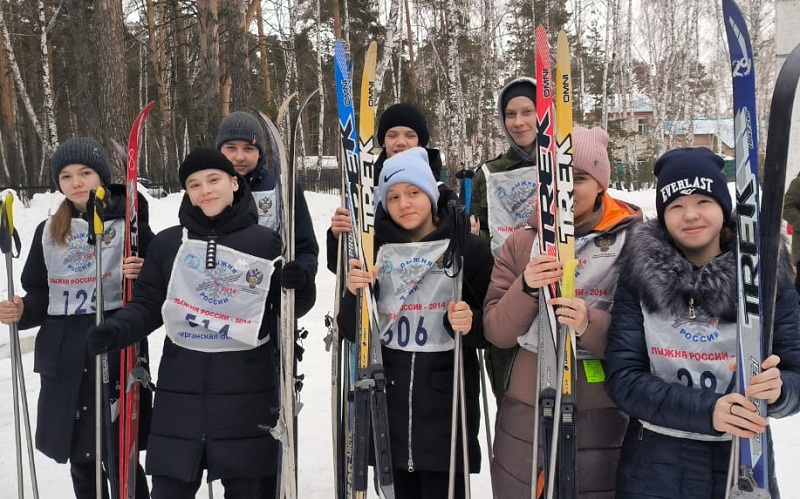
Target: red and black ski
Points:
(132, 372)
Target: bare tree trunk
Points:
(388, 49)
(183, 90)
(47, 82)
(262, 48)
(412, 65)
(115, 115)
(456, 113)
(235, 55)
(208, 71)
(321, 115)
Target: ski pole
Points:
(454, 263)
(95, 215)
(10, 246)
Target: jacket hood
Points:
(653, 267)
(520, 152)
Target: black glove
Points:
(102, 339)
(293, 276)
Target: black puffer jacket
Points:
(210, 403)
(65, 419)
(432, 372)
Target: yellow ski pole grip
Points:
(99, 195)
(9, 212)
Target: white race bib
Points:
(219, 309)
(71, 270)
(266, 207)
(510, 199)
(415, 293)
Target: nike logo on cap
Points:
(386, 178)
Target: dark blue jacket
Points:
(65, 419)
(306, 246)
(654, 276)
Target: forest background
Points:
(85, 68)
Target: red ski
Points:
(130, 376)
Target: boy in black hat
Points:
(241, 139)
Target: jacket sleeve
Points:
(641, 394)
(34, 281)
(146, 234)
(478, 204)
(347, 316)
(142, 315)
(331, 249)
(786, 345)
(307, 248)
(791, 204)
(509, 311)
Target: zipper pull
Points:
(410, 465)
(692, 314)
(211, 254)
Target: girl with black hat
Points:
(418, 317)
(214, 282)
(672, 344)
(59, 279)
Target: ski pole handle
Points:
(94, 210)
(9, 238)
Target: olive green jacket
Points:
(791, 213)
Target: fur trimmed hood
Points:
(652, 268)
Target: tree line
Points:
(85, 67)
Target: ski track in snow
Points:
(314, 447)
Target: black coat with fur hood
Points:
(655, 278)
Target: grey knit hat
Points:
(241, 125)
(82, 151)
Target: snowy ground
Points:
(315, 461)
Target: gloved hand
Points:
(102, 339)
(293, 276)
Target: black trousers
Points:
(83, 481)
(165, 487)
(425, 484)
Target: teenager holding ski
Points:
(412, 215)
(210, 281)
(512, 319)
(241, 140)
(58, 279)
(513, 173)
(401, 127)
(672, 343)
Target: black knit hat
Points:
(203, 158)
(241, 125)
(82, 151)
(403, 114)
(521, 87)
(691, 170)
